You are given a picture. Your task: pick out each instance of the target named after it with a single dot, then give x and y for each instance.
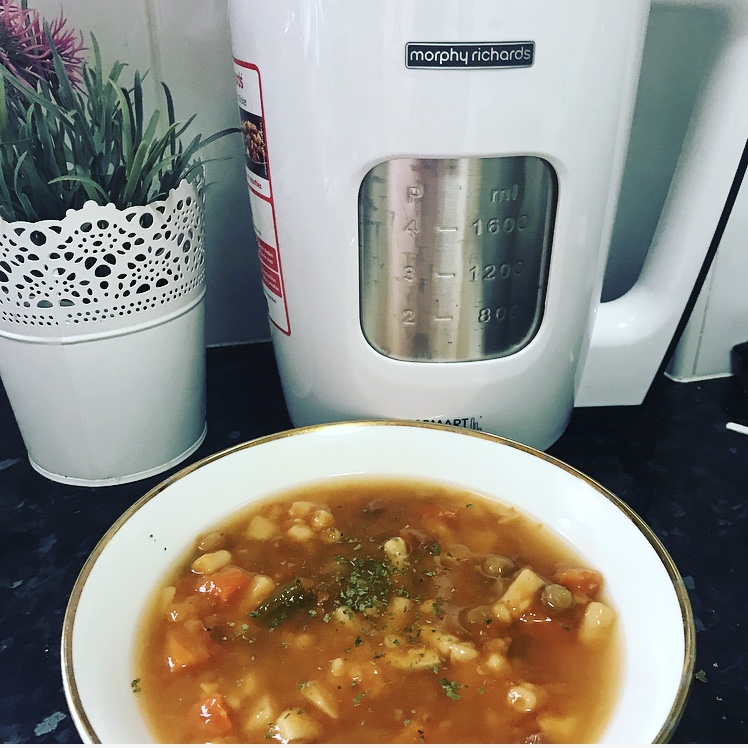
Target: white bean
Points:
(211, 562)
(300, 533)
(523, 697)
(397, 552)
(322, 518)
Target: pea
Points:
(458, 552)
(479, 615)
(494, 565)
(557, 597)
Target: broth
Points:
(378, 611)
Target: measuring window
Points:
(454, 255)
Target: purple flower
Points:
(26, 49)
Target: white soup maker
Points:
(433, 186)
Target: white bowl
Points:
(642, 581)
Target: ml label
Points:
(469, 55)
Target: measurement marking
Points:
(446, 229)
(445, 275)
(444, 319)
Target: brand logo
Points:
(469, 55)
(467, 423)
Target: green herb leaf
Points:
(365, 584)
(450, 688)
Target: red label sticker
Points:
(259, 184)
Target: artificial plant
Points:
(71, 131)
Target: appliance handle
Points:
(631, 334)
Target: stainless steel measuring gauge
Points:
(454, 255)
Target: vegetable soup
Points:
(378, 611)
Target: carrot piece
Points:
(583, 581)
(186, 647)
(222, 585)
(212, 717)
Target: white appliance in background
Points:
(433, 188)
(683, 41)
(719, 319)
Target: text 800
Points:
(486, 314)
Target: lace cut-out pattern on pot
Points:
(101, 268)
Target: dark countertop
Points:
(671, 459)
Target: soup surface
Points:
(378, 611)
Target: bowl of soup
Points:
(378, 582)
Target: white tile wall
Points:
(186, 44)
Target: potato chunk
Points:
(415, 658)
(596, 624)
(295, 726)
(261, 528)
(320, 695)
(520, 593)
(560, 729)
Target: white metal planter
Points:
(102, 338)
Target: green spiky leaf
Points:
(62, 144)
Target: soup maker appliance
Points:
(433, 186)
